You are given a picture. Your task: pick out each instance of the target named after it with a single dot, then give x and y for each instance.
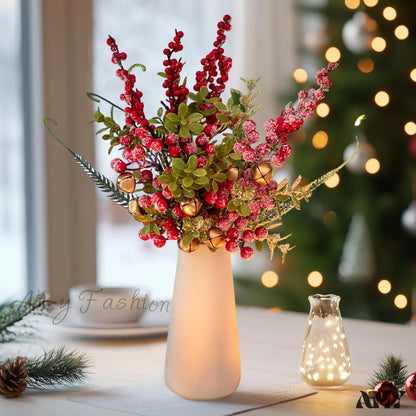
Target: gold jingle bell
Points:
(262, 173)
(126, 182)
(216, 238)
(135, 210)
(188, 248)
(233, 173)
(191, 206)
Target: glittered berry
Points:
(174, 151)
(261, 233)
(231, 246)
(143, 237)
(118, 165)
(156, 145)
(146, 176)
(125, 140)
(138, 153)
(145, 201)
(246, 253)
(249, 236)
(190, 148)
(171, 139)
(233, 234)
(210, 149)
(201, 161)
(159, 241)
(249, 155)
(172, 234)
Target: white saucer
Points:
(149, 324)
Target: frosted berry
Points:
(118, 165)
(249, 236)
(261, 233)
(159, 241)
(246, 253)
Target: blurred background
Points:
(356, 237)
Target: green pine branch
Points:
(391, 368)
(14, 312)
(102, 183)
(57, 367)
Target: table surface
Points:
(269, 341)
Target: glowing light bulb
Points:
(322, 110)
(400, 301)
(333, 182)
(401, 32)
(384, 286)
(269, 278)
(333, 54)
(410, 128)
(300, 75)
(315, 279)
(382, 98)
(352, 4)
(365, 65)
(372, 166)
(378, 44)
(320, 139)
(389, 13)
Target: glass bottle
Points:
(325, 357)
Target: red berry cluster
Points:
(216, 64)
(132, 97)
(175, 93)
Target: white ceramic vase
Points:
(203, 356)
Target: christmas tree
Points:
(358, 238)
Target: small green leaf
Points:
(222, 118)
(231, 206)
(146, 229)
(98, 116)
(259, 245)
(162, 74)
(174, 118)
(187, 238)
(235, 156)
(200, 172)
(244, 209)
(182, 110)
(201, 180)
(194, 117)
(192, 162)
(188, 193)
(203, 91)
(170, 127)
(187, 182)
(236, 95)
(160, 112)
(220, 177)
(178, 163)
(173, 186)
(196, 128)
(141, 66)
(220, 106)
(215, 186)
(154, 228)
(165, 178)
(184, 131)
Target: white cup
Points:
(107, 305)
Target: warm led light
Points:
(370, 3)
(401, 32)
(269, 278)
(300, 75)
(378, 44)
(410, 128)
(333, 181)
(315, 279)
(352, 4)
(382, 98)
(372, 166)
(400, 301)
(389, 13)
(333, 54)
(322, 110)
(384, 286)
(320, 139)
(365, 65)
(413, 74)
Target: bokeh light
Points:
(333, 181)
(300, 75)
(315, 279)
(382, 98)
(410, 128)
(378, 44)
(384, 286)
(365, 65)
(400, 301)
(352, 4)
(413, 74)
(269, 278)
(371, 3)
(401, 32)
(322, 110)
(389, 13)
(333, 54)
(320, 139)
(372, 166)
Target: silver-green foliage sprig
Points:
(390, 368)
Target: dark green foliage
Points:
(391, 368)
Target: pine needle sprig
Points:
(58, 366)
(103, 183)
(14, 312)
(390, 368)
